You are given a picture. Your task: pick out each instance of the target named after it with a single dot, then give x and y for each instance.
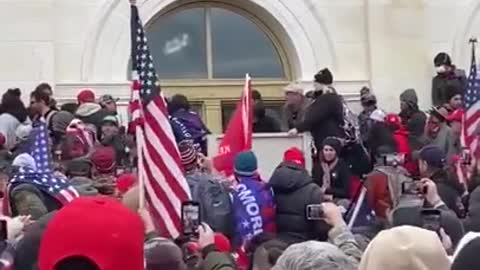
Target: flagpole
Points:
(139, 138)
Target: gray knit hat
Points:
(61, 120)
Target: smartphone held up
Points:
(190, 218)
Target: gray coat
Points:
(446, 140)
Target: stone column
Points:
(213, 115)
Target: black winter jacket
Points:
(449, 190)
(440, 83)
(294, 190)
(324, 118)
(472, 222)
(340, 179)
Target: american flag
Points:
(43, 177)
(160, 171)
(471, 118)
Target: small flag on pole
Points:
(238, 136)
(471, 117)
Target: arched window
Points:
(203, 50)
(208, 42)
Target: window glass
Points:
(228, 108)
(177, 43)
(239, 46)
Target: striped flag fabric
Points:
(43, 176)
(471, 118)
(160, 171)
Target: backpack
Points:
(215, 203)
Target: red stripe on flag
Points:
(159, 223)
(160, 194)
(170, 179)
(170, 146)
(471, 120)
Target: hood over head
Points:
(87, 109)
(414, 249)
(409, 96)
(289, 177)
(61, 120)
(25, 161)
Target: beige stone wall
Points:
(387, 44)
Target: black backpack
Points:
(215, 202)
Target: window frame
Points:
(207, 6)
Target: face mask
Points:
(441, 69)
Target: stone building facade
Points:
(388, 45)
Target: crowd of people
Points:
(386, 190)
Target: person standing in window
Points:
(264, 119)
(180, 111)
(447, 75)
(263, 123)
(295, 105)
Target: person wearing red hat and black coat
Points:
(88, 111)
(447, 76)
(294, 190)
(324, 117)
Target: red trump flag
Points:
(238, 136)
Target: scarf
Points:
(327, 173)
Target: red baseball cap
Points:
(294, 155)
(104, 159)
(97, 228)
(86, 96)
(125, 182)
(222, 243)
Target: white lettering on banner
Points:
(257, 224)
(246, 197)
(253, 209)
(224, 149)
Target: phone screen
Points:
(314, 212)
(431, 219)
(190, 217)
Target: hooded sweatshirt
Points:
(405, 248)
(91, 113)
(412, 118)
(294, 190)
